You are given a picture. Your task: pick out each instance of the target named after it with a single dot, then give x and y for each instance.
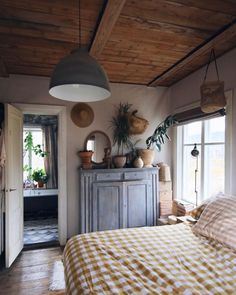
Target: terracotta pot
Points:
(86, 157)
(147, 156)
(40, 183)
(119, 161)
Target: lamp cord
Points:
(196, 171)
(79, 25)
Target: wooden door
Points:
(107, 203)
(14, 183)
(138, 203)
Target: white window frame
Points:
(178, 152)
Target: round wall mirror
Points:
(99, 143)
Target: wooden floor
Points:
(30, 273)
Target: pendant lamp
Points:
(79, 77)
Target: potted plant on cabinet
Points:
(156, 140)
(121, 136)
(86, 158)
(40, 177)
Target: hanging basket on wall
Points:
(212, 92)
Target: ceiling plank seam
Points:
(221, 36)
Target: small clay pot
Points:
(86, 157)
(147, 156)
(119, 161)
(40, 183)
(138, 162)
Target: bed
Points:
(170, 259)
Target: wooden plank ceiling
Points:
(150, 42)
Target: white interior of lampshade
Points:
(79, 92)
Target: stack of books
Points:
(181, 208)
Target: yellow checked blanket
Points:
(149, 260)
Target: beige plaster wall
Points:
(152, 104)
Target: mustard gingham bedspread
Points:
(150, 260)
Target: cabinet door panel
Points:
(107, 206)
(138, 204)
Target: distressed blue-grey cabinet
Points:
(118, 198)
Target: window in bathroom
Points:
(33, 143)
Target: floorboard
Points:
(30, 273)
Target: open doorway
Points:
(40, 175)
(60, 112)
(12, 186)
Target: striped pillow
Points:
(218, 221)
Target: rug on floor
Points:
(57, 281)
(40, 231)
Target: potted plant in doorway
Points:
(40, 177)
(121, 136)
(30, 148)
(156, 140)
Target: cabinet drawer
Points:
(109, 176)
(135, 175)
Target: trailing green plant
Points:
(160, 133)
(39, 175)
(28, 169)
(120, 127)
(29, 145)
(28, 141)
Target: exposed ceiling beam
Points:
(109, 18)
(3, 69)
(215, 42)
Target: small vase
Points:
(138, 163)
(119, 161)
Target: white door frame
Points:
(59, 111)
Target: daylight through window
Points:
(209, 135)
(31, 160)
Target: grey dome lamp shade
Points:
(79, 77)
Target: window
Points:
(207, 171)
(30, 158)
